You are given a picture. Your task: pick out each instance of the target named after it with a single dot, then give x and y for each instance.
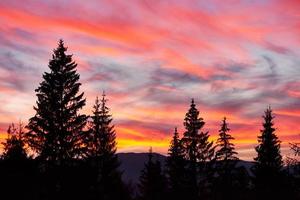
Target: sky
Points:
(235, 58)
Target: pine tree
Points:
(103, 131)
(268, 163)
(14, 146)
(226, 148)
(199, 152)
(93, 140)
(176, 168)
(226, 161)
(152, 184)
(56, 129)
(102, 151)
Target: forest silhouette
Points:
(62, 154)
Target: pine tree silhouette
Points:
(226, 148)
(199, 152)
(176, 168)
(226, 161)
(268, 165)
(102, 152)
(93, 140)
(14, 146)
(56, 129)
(152, 184)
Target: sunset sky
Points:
(151, 57)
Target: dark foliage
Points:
(102, 158)
(229, 179)
(14, 146)
(270, 180)
(152, 181)
(293, 163)
(199, 153)
(226, 151)
(176, 168)
(56, 129)
(268, 150)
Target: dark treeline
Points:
(63, 154)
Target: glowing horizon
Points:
(233, 58)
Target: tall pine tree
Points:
(268, 163)
(56, 129)
(199, 152)
(102, 152)
(176, 172)
(152, 184)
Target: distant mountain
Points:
(133, 163)
(247, 164)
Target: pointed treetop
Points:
(269, 107)
(150, 154)
(268, 114)
(61, 44)
(175, 148)
(96, 105)
(60, 50)
(150, 150)
(224, 126)
(193, 104)
(104, 100)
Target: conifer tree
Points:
(226, 161)
(102, 151)
(176, 168)
(102, 130)
(199, 152)
(152, 184)
(57, 127)
(93, 139)
(14, 146)
(225, 150)
(268, 162)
